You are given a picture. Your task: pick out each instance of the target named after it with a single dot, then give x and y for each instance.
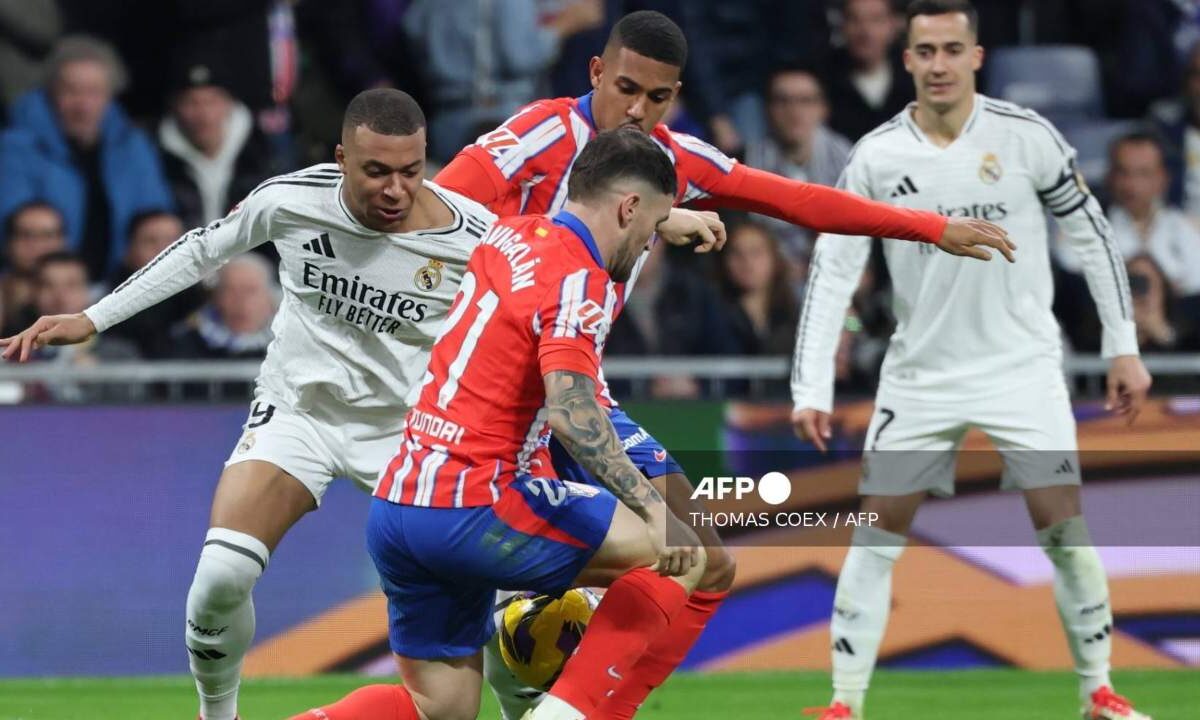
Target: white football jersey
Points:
(360, 308)
(964, 328)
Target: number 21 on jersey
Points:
(485, 307)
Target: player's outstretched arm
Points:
(850, 212)
(583, 428)
(48, 330)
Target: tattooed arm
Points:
(583, 428)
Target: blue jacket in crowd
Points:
(36, 164)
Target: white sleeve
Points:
(1085, 230)
(186, 261)
(834, 272)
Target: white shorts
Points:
(315, 449)
(912, 444)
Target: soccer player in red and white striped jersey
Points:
(524, 166)
(463, 510)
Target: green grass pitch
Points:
(927, 695)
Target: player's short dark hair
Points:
(142, 217)
(61, 257)
(942, 7)
(622, 154)
(1139, 135)
(10, 220)
(386, 111)
(650, 34)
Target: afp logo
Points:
(774, 488)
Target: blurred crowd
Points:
(125, 122)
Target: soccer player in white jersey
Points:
(371, 257)
(975, 345)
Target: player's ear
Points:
(595, 70)
(977, 59)
(627, 209)
(339, 155)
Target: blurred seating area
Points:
(125, 122)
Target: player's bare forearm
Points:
(583, 428)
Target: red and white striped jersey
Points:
(522, 168)
(535, 298)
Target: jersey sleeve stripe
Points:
(610, 305)
(694, 193)
(665, 148)
(583, 133)
(802, 332)
(532, 144)
(1115, 264)
(703, 150)
(1035, 119)
(572, 292)
(187, 237)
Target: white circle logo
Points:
(774, 488)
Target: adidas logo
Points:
(843, 645)
(320, 246)
(906, 187)
(1065, 468)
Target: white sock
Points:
(1081, 593)
(555, 708)
(220, 617)
(860, 611)
(514, 696)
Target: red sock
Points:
(662, 657)
(636, 608)
(372, 702)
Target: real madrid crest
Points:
(990, 170)
(429, 276)
(246, 443)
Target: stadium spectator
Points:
(1153, 305)
(28, 29)
(236, 323)
(867, 84)
(31, 232)
(1142, 222)
(150, 233)
(483, 60)
(63, 288)
(799, 146)
(72, 145)
(758, 303)
(1178, 120)
(734, 47)
(675, 311)
(212, 154)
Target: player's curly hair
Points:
(622, 154)
(386, 111)
(650, 34)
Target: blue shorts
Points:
(440, 567)
(647, 454)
